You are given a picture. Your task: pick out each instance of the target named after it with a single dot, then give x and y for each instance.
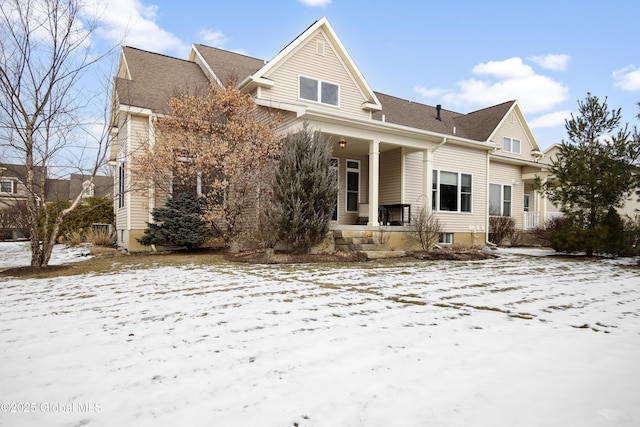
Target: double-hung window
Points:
(319, 91)
(451, 191)
(500, 200)
(511, 145)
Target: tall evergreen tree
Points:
(178, 223)
(593, 172)
(305, 190)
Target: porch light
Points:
(342, 143)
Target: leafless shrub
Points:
(501, 228)
(425, 229)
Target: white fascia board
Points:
(371, 106)
(518, 162)
(135, 110)
(300, 110)
(192, 57)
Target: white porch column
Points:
(374, 175)
(427, 179)
(542, 206)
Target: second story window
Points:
(511, 145)
(89, 189)
(7, 186)
(319, 91)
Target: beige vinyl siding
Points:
(390, 181)
(505, 174)
(413, 193)
(457, 158)
(512, 127)
(328, 67)
(122, 138)
(138, 201)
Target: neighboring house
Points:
(394, 156)
(13, 194)
(630, 209)
(68, 189)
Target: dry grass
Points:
(96, 237)
(109, 260)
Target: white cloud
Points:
(133, 23)
(511, 68)
(314, 3)
(429, 93)
(550, 120)
(627, 78)
(212, 37)
(552, 62)
(505, 80)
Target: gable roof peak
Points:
(322, 24)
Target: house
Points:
(14, 193)
(68, 189)
(394, 156)
(630, 209)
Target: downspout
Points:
(486, 225)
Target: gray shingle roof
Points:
(157, 78)
(416, 115)
(480, 124)
(229, 65)
(477, 125)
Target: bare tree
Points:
(44, 52)
(425, 229)
(216, 146)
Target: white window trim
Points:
(502, 200)
(435, 194)
(445, 238)
(346, 183)
(88, 189)
(336, 170)
(319, 91)
(511, 150)
(121, 185)
(12, 183)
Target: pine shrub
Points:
(178, 223)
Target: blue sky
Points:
(465, 55)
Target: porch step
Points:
(364, 243)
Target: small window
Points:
(89, 189)
(445, 238)
(319, 91)
(6, 186)
(329, 93)
(511, 145)
(308, 89)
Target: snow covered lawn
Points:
(522, 340)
